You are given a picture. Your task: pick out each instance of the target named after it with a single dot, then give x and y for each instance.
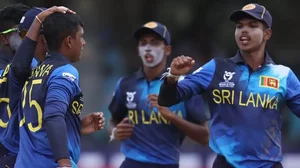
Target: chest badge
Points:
(130, 97)
(227, 77)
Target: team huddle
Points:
(41, 100)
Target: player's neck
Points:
(152, 73)
(62, 52)
(254, 59)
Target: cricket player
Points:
(51, 100)
(14, 76)
(150, 134)
(246, 92)
(10, 17)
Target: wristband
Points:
(169, 75)
(37, 18)
(112, 136)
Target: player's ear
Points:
(168, 50)
(267, 33)
(69, 42)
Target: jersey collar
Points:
(141, 75)
(238, 58)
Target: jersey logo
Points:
(77, 104)
(268, 82)
(130, 97)
(227, 77)
(69, 76)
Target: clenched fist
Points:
(181, 65)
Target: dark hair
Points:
(58, 26)
(11, 15)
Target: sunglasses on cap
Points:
(22, 33)
(9, 31)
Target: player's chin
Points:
(246, 48)
(149, 62)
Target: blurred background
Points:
(199, 28)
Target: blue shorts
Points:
(129, 163)
(220, 162)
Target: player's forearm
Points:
(23, 57)
(34, 30)
(197, 132)
(56, 127)
(22, 60)
(168, 93)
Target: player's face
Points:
(152, 50)
(251, 34)
(12, 38)
(77, 45)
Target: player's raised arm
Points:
(172, 91)
(20, 67)
(21, 62)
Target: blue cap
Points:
(28, 17)
(254, 10)
(155, 27)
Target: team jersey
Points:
(54, 82)
(245, 107)
(154, 139)
(10, 90)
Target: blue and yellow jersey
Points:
(245, 107)
(5, 111)
(154, 139)
(54, 81)
(10, 90)
(5, 59)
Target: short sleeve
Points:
(62, 88)
(117, 107)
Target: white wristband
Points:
(37, 18)
(169, 75)
(112, 136)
